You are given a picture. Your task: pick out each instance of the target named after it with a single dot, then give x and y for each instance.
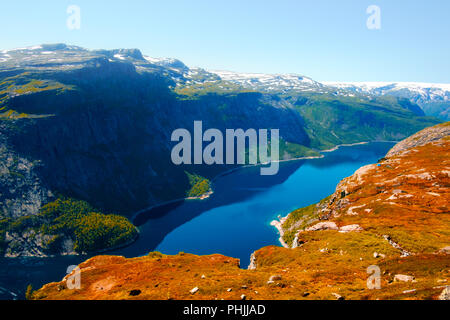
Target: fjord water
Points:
(234, 221)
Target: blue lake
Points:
(234, 221)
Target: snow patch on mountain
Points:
(262, 81)
(440, 91)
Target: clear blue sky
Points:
(323, 39)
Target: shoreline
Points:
(83, 254)
(135, 215)
(356, 144)
(278, 224)
(205, 196)
(346, 145)
(275, 223)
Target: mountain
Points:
(383, 234)
(92, 129)
(271, 82)
(433, 98)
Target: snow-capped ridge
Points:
(270, 82)
(380, 85)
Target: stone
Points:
(194, 290)
(445, 250)
(275, 277)
(328, 225)
(350, 228)
(445, 294)
(409, 291)
(338, 296)
(403, 277)
(252, 265)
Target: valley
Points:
(86, 142)
(389, 217)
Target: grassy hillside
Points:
(199, 186)
(332, 120)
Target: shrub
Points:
(199, 185)
(75, 219)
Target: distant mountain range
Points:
(433, 98)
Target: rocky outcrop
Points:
(252, 265)
(323, 226)
(445, 294)
(97, 127)
(421, 138)
(403, 277)
(22, 191)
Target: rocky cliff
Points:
(382, 235)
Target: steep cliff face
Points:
(96, 129)
(111, 146)
(382, 235)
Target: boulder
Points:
(445, 294)
(445, 250)
(338, 296)
(403, 277)
(275, 277)
(350, 228)
(194, 290)
(328, 225)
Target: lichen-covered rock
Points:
(421, 138)
(323, 226)
(403, 277)
(445, 294)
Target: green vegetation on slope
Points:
(290, 150)
(69, 218)
(3, 227)
(287, 150)
(199, 185)
(333, 120)
(300, 219)
(192, 91)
